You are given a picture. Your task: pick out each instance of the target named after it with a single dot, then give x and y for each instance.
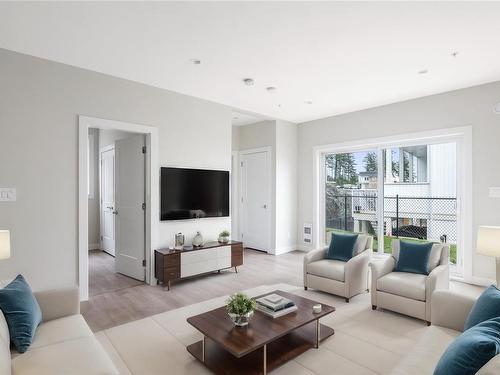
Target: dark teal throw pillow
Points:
(414, 257)
(341, 246)
(21, 311)
(486, 307)
(471, 350)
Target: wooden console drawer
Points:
(171, 274)
(172, 261)
(236, 255)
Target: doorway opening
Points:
(116, 161)
(116, 210)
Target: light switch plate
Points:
(494, 192)
(7, 194)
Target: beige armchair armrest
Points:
(450, 309)
(313, 256)
(58, 303)
(356, 273)
(439, 278)
(379, 269)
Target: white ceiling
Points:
(242, 118)
(341, 56)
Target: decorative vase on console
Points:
(198, 239)
(224, 237)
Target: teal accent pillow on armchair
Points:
(21, 311)
(486, 307)
(413, 257)
(341, 246)
(471, 350)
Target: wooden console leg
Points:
(168, 285)
(347, 300)
(235, 269)
(264, 364)
(305, 288)
(374, 307)
(428, 324)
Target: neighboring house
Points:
(419, 198)
(367, 180)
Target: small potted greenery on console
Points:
(224, 236)
(240, 309)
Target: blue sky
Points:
(359, 156)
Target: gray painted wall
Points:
(39, 106)
(472, 106)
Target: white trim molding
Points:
(462, 136)
(285, 249)
(152, 198)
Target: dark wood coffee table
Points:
(263, 345)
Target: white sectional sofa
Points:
(63, 344)
(449, 312)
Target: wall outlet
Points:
(7, 194)
(307, 233)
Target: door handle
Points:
(109, 208)
(115, 212)
(264, 206)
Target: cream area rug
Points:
(365, 341)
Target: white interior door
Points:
(130, 212)
(256, 199)
(108, 200)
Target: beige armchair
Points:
(345, 279)
(409, 293)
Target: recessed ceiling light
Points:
(423, 71)
(454, 54)
(248, 81)
(279, 105)
(308, 102)
(271, 89)
(195, 61)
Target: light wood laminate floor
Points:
(116, 299)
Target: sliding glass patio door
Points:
(398, 191)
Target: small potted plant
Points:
(240, 309)
(224, 236)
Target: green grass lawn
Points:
(388, 240)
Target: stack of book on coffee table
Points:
(274, 305)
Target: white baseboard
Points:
(305, 248)
(285, 249)
(481, 281)
(94, 246)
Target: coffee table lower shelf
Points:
(276, 353)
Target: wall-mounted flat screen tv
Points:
(193, 193)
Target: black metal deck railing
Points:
(427, 218)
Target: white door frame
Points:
(268, 150)
(152, 198)
(463, 138)
(235, 195)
